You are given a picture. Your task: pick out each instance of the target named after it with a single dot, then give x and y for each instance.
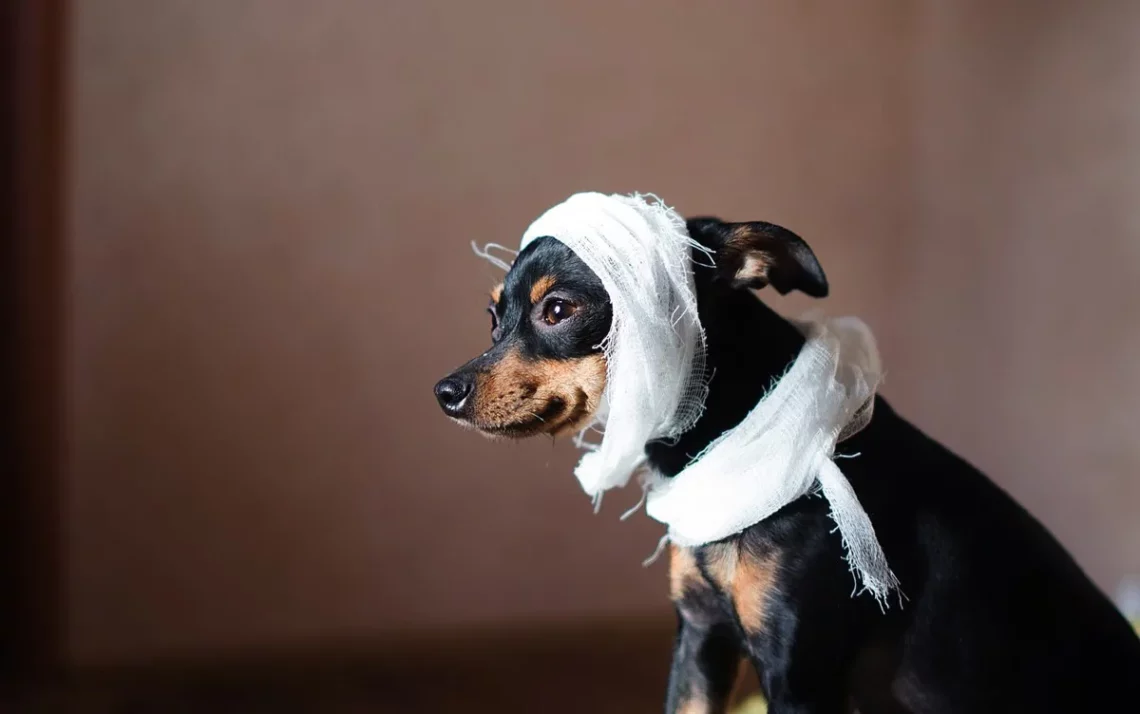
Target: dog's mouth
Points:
(530, 426)
(556, 416)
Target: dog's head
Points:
(545, 371)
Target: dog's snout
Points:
(452, 393)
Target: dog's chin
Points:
(557, 420)
(522, 429)
(512, 432)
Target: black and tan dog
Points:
(999, 618)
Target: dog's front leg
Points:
(707, 649)
(706, 658)
(806, 666)
(826, 701)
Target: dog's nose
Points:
(452, 393)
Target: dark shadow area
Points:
(30, 324)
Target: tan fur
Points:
(540, 288)
(720, 563)
(698, 705)
(497, 293)
(683, 571)
(755, 266)
(742, 247)
(515, 391)
(753, 581)
(741, 235)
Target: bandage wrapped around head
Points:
(656, 383)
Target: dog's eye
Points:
(556, 311)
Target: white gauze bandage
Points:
(656, 386)
(655, 350)
(783, 449)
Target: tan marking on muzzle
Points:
(538, 396)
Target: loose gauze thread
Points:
(657, 384)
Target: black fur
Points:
(997, 618)
(573, 281)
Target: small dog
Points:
(998, 616)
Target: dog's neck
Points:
(749, 346)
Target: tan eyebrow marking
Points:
(540, 288)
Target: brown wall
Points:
(1020, 311)
(271, 206)
(270, 211)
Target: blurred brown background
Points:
(242, 260)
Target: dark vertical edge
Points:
(32, 318)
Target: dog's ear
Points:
(753, 255)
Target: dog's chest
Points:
(721, 580)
